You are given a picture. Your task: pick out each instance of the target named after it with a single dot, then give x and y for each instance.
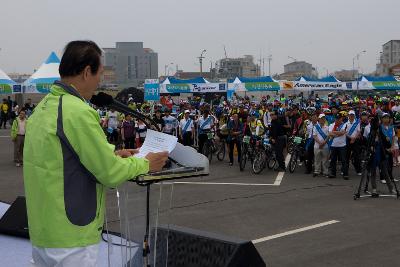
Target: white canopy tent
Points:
(44, 77)
(6, 84)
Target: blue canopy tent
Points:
(329, 79)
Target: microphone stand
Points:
(150, 124)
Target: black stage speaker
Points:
(183, 247)
(15, 221)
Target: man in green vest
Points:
(68, 165)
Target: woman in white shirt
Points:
(321, 150)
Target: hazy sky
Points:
(327, 34)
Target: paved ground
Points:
(358, 233)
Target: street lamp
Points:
(166, 67)
(327, 72)
(201, 61)
(358, 59)
(358, 68)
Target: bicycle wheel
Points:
(243, 158)
(293, 162)
(258, 162)
(290, 145)
(271, 162)
(207, 151)
(221, 151)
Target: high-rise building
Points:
(232, 67)
(131, 62)
(389, 57)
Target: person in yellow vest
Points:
(18, 137)
(4, 108)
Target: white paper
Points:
(157, 142)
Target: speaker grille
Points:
(187, 247)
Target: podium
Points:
(155, 194)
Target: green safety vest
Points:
(68, 164)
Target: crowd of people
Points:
(335, 128)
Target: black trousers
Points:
(129, 143)
(354, 150)
(113, 137)
(309, 156)
(187, 139)
(232, 144)
(202, 139)
(341, 153)
(279, 146)
(3, 119)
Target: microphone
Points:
(106, 100)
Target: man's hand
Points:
(125, 153)
(156, 161)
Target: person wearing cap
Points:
(186, 129)
(278, 139)
(235, 131)
(353, 147)
(321, 149)
(389, 134)
(159, 120)
(170, 122)
(364, 129)
(205, 125)
(337, 134)
(309, 146)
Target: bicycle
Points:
(247, 152)
(297, 152)
(209, 147)
(260, 157)
(221, 149)
(290, 144)
(221, 146)
(270, 154)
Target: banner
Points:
(389, 85)
(17, 89)
(193, 88)
(151, 90)
(208, 87)
(229, 95)
(360, 85)
(254, 86)
(39, 88)
(5, 88)
(310, 86)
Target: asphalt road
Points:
(364, 232)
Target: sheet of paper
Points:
(157, 142)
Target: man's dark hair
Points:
(77, 55)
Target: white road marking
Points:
(263, 239)
(211, 183)
(280, 175)
(277, 182)
(287, 159)
(279, 178)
